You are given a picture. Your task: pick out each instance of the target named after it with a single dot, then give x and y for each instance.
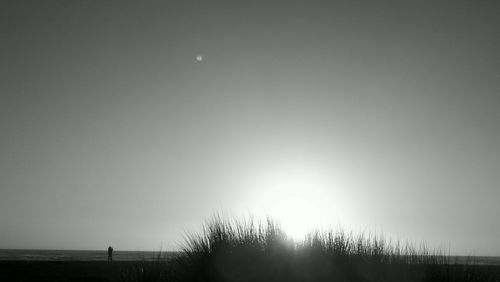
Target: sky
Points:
(378, 116)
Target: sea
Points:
(102, 255)
(82, 255)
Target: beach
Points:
(71, 265)
(88, 265)
(58, 271)
(62, 270)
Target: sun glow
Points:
(297, 216)
(296, 197)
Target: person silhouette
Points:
(110, 253)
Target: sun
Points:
(295, 196)
(297, 217)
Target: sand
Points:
(62, 270)
(57, 271)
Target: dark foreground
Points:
(121, 271)
(63, 270)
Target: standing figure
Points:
(110, 253)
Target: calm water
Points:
(65, 255)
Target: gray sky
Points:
(381, 116)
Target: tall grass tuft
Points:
(227, 250)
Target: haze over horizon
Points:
(379, 116)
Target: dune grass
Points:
(232, 250)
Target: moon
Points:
(199, 58)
